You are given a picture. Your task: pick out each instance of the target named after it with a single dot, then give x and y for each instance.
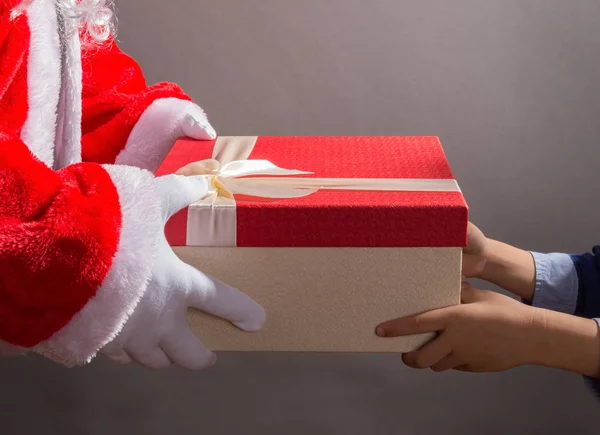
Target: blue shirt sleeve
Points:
(556, 282)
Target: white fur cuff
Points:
(105, 314)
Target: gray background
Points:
(512, 89)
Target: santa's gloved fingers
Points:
(177, 192)
(150, 357)
(199, 129)
(186, 350)
(217, 298)
(196, 125)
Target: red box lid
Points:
(341, 218)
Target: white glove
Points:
(195, 124)
(157, 334)
(165, 121)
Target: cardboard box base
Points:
(326, 299)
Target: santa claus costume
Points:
(84, 264)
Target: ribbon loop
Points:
(245, 168)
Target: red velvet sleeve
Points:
(59, 231)
(115, 95)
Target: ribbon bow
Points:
(229, 179)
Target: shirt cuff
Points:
(556, 282)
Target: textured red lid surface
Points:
(342, 218)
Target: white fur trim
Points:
(43, 80)
(161, 124)
(68, 143)
(106, 313)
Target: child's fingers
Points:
(431, 321)
(448, 363)
(429, 355)
(467, 293)
(475, 240)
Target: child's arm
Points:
(490, 332)
(548, 281)
(511, 268)
(559, 282)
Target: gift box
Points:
(331, 235)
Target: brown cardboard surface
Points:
(327, 299)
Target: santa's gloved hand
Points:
(157, 334)
(165, 121)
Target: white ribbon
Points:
(212, 220)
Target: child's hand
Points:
(488, 332)
(508, 267)
(475, 253)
